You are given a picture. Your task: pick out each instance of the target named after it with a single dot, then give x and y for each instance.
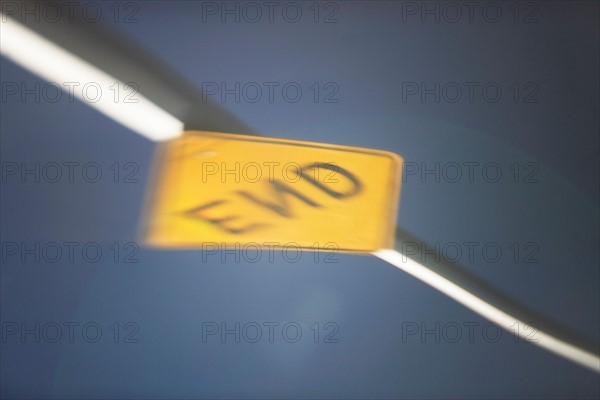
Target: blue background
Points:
(368, 54)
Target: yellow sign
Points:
(233, 189)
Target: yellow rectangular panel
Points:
(233, 189)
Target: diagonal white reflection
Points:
(487, 310)
(54, 64)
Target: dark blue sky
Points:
(549, 211)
